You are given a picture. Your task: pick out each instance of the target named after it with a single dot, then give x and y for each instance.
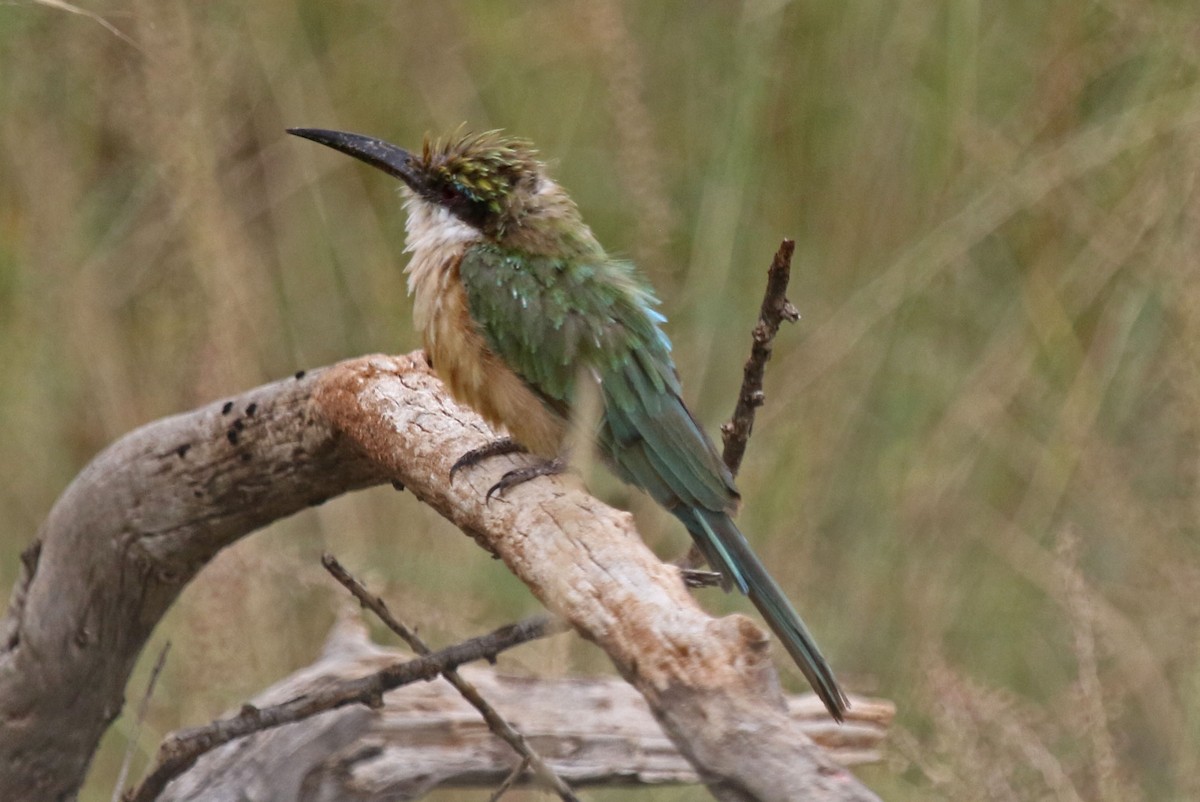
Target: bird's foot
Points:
(699, 578)
(691, 569)
(496, 448)
(519, 476)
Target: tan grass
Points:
(978, 470)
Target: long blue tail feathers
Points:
(728, 551)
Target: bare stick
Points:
(496, 723)
(180, 751)
(510, 780)
(775, 309)
(736, 433)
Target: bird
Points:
(519, 306)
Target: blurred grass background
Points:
(977, 468)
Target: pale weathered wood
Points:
(146, 515)
(593, 731)
(120, 544)
(709, 682)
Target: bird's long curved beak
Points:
(375, 152)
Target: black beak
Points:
(375, 152)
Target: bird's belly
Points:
(479, 378)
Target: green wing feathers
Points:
(655, 443)
(549, 317)
(546, 317)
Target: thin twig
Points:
(510, 780)
(775, 309)
(143, 709)
(496, 723)
(181, 750)
(735, 434)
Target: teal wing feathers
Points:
(548, 318)
(720, 530)
(544, 316)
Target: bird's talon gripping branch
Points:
(496, 448)
(697, 578)
(519, 476)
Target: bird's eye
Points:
(449, 195)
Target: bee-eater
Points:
(518, 304)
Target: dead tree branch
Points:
(146, 515)
(120, 544)
(181, 751)
(593, 731)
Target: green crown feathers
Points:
(482, 166)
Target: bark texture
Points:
(120, 544)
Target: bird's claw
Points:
(698, 578)
(519, 476)
(496, 448)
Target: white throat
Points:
(436, 239)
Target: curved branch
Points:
(142, 519)
(120, 544)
